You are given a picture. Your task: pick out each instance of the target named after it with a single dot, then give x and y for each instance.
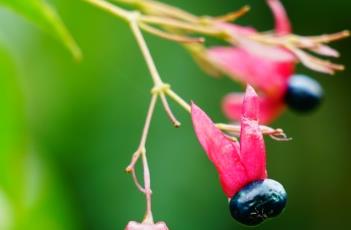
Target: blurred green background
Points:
(68, 129)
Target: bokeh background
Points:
(68, 129)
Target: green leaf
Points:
(44, 16)
(32, 195)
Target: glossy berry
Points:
(303, 94)
(258, 201)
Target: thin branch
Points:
(145, 51)
(175, 97)
(113, 9)
(144, 135)
(136, 181)
(276, 134)
(163, 9)
(170, 36)
(147, 182)
(168, 110)
(142, 152)
(159, 85)
(330, 37)
(189, 27)
(232, 16)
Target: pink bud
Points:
(132, 225)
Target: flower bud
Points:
(132, 225)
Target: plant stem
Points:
(175, 97)
(145, 51)
(168, 110)
(148, 219)
(136, 181)
(170, 36)
(159, 86)
(162, 9)
(232, 16)
(276, 134)
(113, 9)
(189, 27)
(142, 152)
(144, 135)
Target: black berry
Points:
(303, 94)
(258, 201)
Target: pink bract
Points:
(270, 108)
(267, 73)
(265, 67)
(282, 21)
(132, 225)
(237, 164)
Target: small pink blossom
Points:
(132, 225)
(265, 67)
(238, 164)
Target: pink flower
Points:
(238, 164)
(132, 225)
(267, 68)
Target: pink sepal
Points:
(270, 109)
(237, 164)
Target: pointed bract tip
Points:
(250, 107)
(250, 91)
(282, 21)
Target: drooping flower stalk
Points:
(141, 151)
(174, 24)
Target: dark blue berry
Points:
(303, 94)
(258, 201)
